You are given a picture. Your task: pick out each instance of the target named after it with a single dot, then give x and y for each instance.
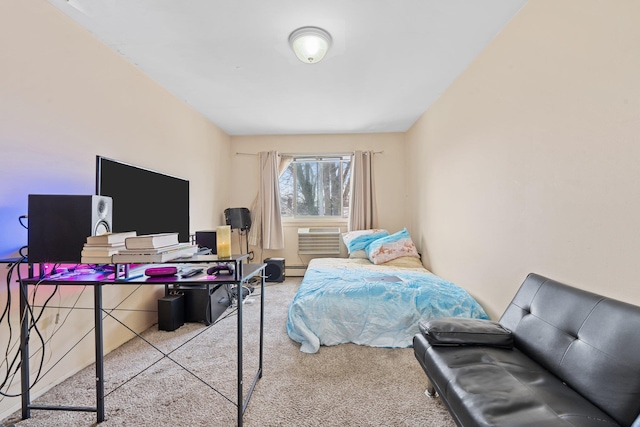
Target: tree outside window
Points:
(316, 187)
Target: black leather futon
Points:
(558, 356)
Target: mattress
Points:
(345, 300)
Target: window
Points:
(316, 187)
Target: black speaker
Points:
(171, 312)
(207, 239)
(274, 270)
(60, 224)
(238, 218)
(199, 308)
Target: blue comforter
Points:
(350, 300)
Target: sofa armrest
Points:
(457, 331)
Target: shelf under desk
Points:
(124, 271)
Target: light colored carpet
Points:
(344, 385)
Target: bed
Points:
(342, 300)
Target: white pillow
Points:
(358, 240)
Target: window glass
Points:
(316, 187)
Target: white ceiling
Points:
(230, 59)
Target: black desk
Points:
(243, 273)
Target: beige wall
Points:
(530, 161)
(64, 98)
(390, 180)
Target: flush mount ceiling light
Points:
(310, 44)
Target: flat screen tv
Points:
(144, 201)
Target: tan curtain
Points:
(362, 204)
(266, 231)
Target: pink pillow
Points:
(391, 247)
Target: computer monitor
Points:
(144, 200)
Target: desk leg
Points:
(240, 399)
(24, 352)
(261, 321)
(99, 336)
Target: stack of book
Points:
(100, 249)
(150, 248)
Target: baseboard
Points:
(295, 270)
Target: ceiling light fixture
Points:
(310, 44)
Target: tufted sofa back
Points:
(590, 342)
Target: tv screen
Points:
(144, 201)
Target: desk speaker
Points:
(274, 271)
(207, 239)
(60, 224)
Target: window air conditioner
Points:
(319, 241)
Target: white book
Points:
(103, 245)
(152, 251)
(151, 241)
(109, 238)
(96, 259)
(142, 258)
(89, 247)
(96, 252)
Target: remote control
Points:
(190, 272)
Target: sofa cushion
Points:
(489, 386)
(463, 331)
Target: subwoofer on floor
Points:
(170, 312)
(60, 224)
(274, 271)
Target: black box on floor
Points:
(170, 312)
(200, 307)
(274, 271)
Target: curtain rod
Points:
(307, 154)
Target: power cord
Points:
(245, 232)
(12, 363)
(13, 357)
(12, 366)
(20, 218)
